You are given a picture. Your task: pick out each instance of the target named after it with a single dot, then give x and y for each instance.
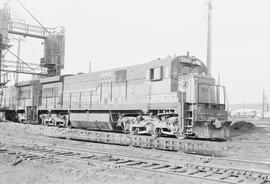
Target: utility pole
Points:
(263, 106)
(218, 89)
(209, 37)
(1, 48)
(18, 60)
(90, 67)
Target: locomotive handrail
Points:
(91, 93)
(81, 95)
(61, 103)
(202, 83)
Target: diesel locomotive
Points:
(173, 96)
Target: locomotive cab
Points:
(202, 108)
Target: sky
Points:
(119, 33)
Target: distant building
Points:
(246, 113)
(248, 110)
(249, 113)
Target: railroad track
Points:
(202, 159)
(206, 148)
(198, 171)
(198, 147)
(188, 146)
(161, 143)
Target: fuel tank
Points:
(93, 121)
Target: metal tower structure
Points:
(54, 46)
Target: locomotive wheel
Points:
(180, 136)
(127, 131)
(53, 123)
(156, 132)
(69, 125)
(135, 131)
(58, 124)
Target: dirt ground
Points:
(73, 172)
(32, 172)
(256, 130)
(70, 171)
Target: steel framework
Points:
(9, 26)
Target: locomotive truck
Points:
(173, 96)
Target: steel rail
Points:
(212, 173)
(184, 146)
(118, 154)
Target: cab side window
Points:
(155, 73)
(121, 75)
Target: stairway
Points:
(188, 118)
